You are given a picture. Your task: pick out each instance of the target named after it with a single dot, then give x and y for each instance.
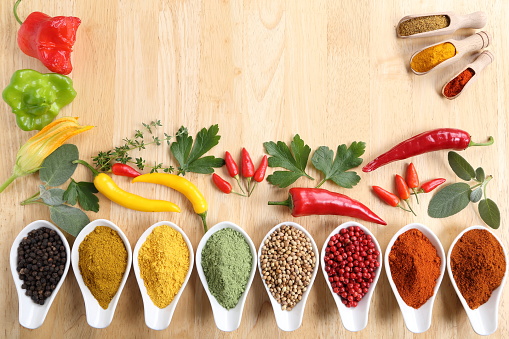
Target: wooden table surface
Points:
(331, 71)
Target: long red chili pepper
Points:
(412, 179)
(429, 186)
(319, 201)
(435, 140)
(403, 190)
(223, 185)
(124, 170)
(259, 175)
(232, 167)
(247, 167)
(390, 198)
(49, 39)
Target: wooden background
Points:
(332, 71)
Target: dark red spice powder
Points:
(455, 86)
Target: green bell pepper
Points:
(37, 98)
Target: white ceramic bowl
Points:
(97, 316)
(32, 315)
(353, 318)
(484, 319)
(417, 320)
(226, 320)
(159, 318)
(290, 320)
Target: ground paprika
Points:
(455, 86)
(415, 267)
(478, 265)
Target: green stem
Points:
(485, 183)
(238, 182)
(288, 203)
(404, 209)
(203, 217)
(9, 181)
(86, 164)
(475, 186)
(415, 193)
(33, 202)
(410, 207)
(15, 10)
(31, 199)
(308, 176)
(321, 183)
(487, 143)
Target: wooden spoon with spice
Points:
(443, 23)
(446, 52)
(454, 87)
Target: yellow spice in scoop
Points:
(164, 261)
(432, 56)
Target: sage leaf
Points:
(53, 196)
(489, 213)
(460, 166)
(479, 174)
(70, 219)
(449, 200)
(476, 195)
(57, 168)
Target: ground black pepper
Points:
(41, 263)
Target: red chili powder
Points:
(455, 86)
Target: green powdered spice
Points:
(227, 264)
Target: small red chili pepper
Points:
(412, 179)
(435, 140)
(223, 185)
(232, 167)
(429, 186)
(247, 167)
(319, 201)
(403, 190)
(390, 198)
(259, 175)
(49, 39)
(124, 170)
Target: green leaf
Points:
(84, 193)
(460, 166)
(489, 212)
(449, 200)
(204, 165)
(337, 169)
(57, 168)
(182, 146)
(71, 193)
(53, 196)
(479, 174)
(295, 161)
(70, 219)
(476, 195)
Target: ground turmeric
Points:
(432, 56)
(102, 263)
(164, 262)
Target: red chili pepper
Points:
(232, 167)
(49, 39)
(247, 168)
(124, 170)
(224, 185)
(403, 190)
(412, 179)
(390, 198)
(259, 175)
(429, 186)
(319, 201)
(435, 140)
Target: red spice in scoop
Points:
(455, 86)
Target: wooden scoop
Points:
(474, 42)
(483, 60)
(473, 20)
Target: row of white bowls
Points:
(484, 319)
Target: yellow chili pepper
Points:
(182, 185)
(105, 184)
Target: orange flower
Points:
(31, 155)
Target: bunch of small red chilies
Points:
(405, 187)
(247, 170)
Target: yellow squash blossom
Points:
(31, 155)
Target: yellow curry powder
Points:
(102, 263)
(164, 261)
(432, 56)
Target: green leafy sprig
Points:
(455, 197)
(56, 170)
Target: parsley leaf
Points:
(293, 158)
(189, 155)
(84, 193)
(336, 169)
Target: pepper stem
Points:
(410, 207)
(86, 164)
(9, 181)
(287, 202)
(487, 143)
(416, 195)
(15, 10)
(203, 217)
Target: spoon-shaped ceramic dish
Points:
(32, 315)
(417, 320)
(226, 320)
(456, 21)
(159, 318)
(354, 318)
(484, 319)
(474, 42)
(483, 60)
(290, 320)
(97, 316)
